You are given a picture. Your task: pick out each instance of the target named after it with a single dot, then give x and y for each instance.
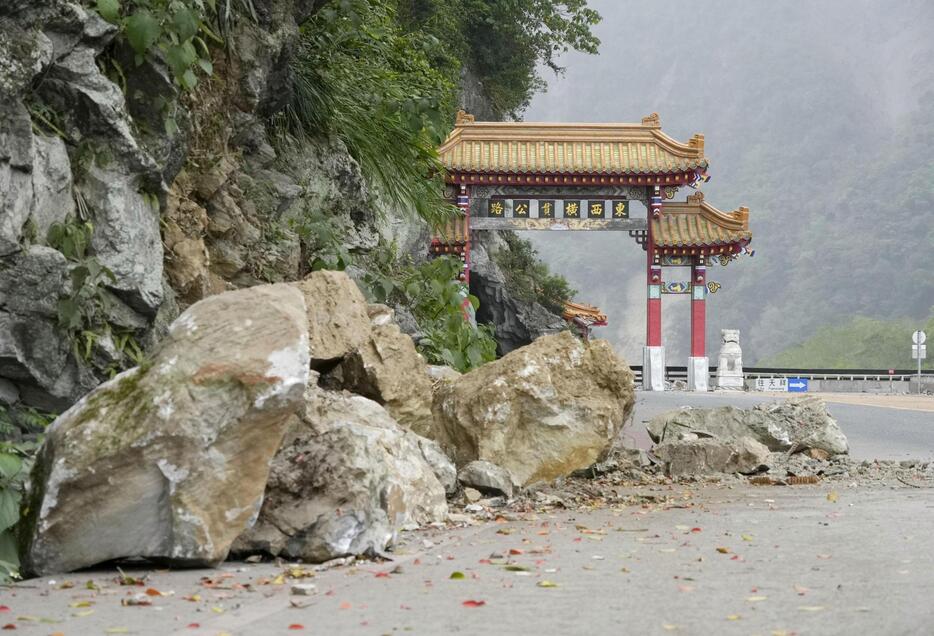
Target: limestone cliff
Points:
(175, 213)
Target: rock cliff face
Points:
(516, 321)
(177, 215)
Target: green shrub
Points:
(504, 42)
(359, 78)
(528, 278)
(174, 27)
(16, 457)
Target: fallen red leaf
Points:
(345, 605)
(696, 530)
(382, 575)
(153, 592)
(194, 625)
(9, 626)
(296, 626)
(515, 551)
(4, 608)
(474, 603)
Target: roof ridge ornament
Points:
(652, 121)
(463, 117)
(696, 198)
(697, 141)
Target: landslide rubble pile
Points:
(295, 420)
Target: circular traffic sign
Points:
(919, 337)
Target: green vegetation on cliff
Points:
(530, 278)
(862, 343)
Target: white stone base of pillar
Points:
(653, 368)
(730, 381)
(698, 373)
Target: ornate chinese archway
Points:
(533, 176)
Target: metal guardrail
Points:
(878, 375)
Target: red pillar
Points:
(699, 307)
(653, 336)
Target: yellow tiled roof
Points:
(580, 310)
(694, 223)
(606, 149)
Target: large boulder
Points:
(169, 460)
(708, 455)
(540, 412)
(387, 368)
(337, 316)
(795, 424)
(345, 480)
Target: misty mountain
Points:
(818, 116)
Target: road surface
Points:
(877, 427)
(749, 560)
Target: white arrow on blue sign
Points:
(797, 385)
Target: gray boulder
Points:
(708, 455)
(487, 478)
(346, 479)
(795, 424)
(169, 460)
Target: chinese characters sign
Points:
(617, 209)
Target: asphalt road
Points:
(874, 432)
(746, 560)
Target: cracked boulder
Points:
(387, 368)
(346, 479)
(787, 425)
(168, 460)
(708, 455)
(540, 412)
(338, 321)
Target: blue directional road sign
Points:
(797, 385)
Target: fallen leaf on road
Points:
(801, 590)
(547, 584)
(811, 608)
(151, 591)
(296, 626)
(135, 601)
(515, 551)
(117, 630)
(696, 530)
(457, 576)
(516, 568)
(9, 626)
(83, 613)
(194, 625)
(832, 496)
(80, 604)
(345, 605)
(473, 603)
(747, 537)
(756, 599)
(733, 617)
(4, 608)
(723, 550)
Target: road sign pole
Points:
(918, 349)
